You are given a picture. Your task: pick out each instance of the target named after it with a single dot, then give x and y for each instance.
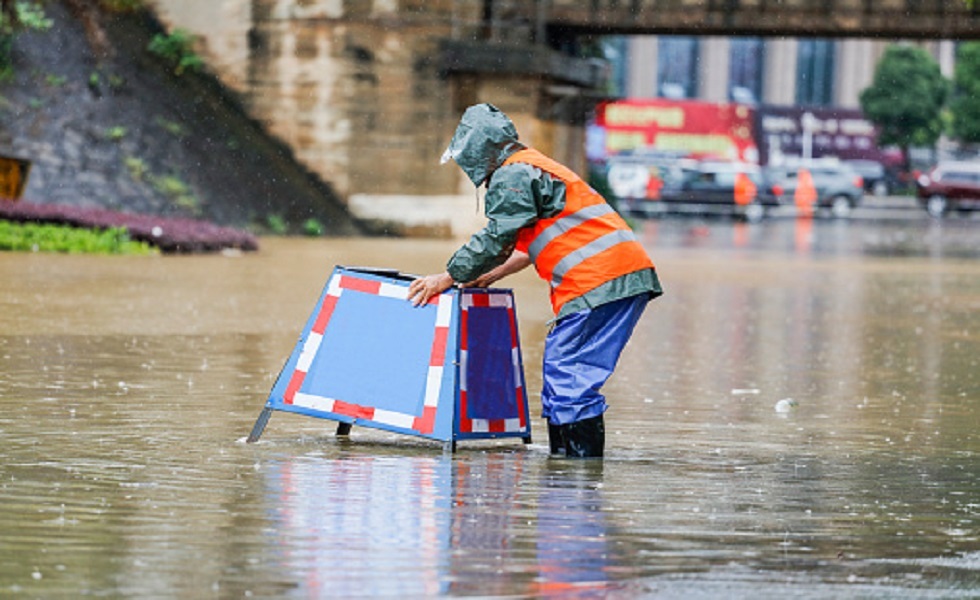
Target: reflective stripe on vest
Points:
(587, 251)
(564, 224)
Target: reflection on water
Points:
(473, 526)
(360, 518)
(128, 384)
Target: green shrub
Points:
(30, 15)
(276, 224)
(34, 237)
(136, 167)
(26, 15)
(174, 188)
(176, 48)
(172, 127)
(313, 228)
(171, 186)
(95, 80)
(115, 133)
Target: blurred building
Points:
(782, 71)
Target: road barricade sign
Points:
(449, 370)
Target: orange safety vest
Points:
(585, 245)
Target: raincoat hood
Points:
(484, 138)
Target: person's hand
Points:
(423, 289)
(515, 262)
(485, 280)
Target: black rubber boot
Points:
(584, 439)
(555, 439)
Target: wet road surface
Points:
(798, 415)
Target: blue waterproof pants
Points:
(581, 353)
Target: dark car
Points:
(839, 188)
(711, 184)
(949, 186)
(704, 187)
(879, 180)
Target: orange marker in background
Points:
(745, 190)
(805, 195)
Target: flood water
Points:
(798, 415)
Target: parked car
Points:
(879, 180)
(839, 188)
(704, 187)
(949, 186)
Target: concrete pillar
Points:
(641, 76)
(713, 69)
(856, 60)
(780, 80)
(946, 55)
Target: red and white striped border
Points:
(513, 425)
(424, 423)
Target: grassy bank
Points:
(169, 235)
(39, 237)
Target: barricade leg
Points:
(343, 429)
(259, 426)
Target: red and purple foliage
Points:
(169, 234)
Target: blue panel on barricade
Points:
(489, 335)
(492, 398)
(368, 357)
(395, 337)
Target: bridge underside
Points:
(908, 19)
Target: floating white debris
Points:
(745, 391)
(785, 405)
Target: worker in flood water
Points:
(601, 279)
